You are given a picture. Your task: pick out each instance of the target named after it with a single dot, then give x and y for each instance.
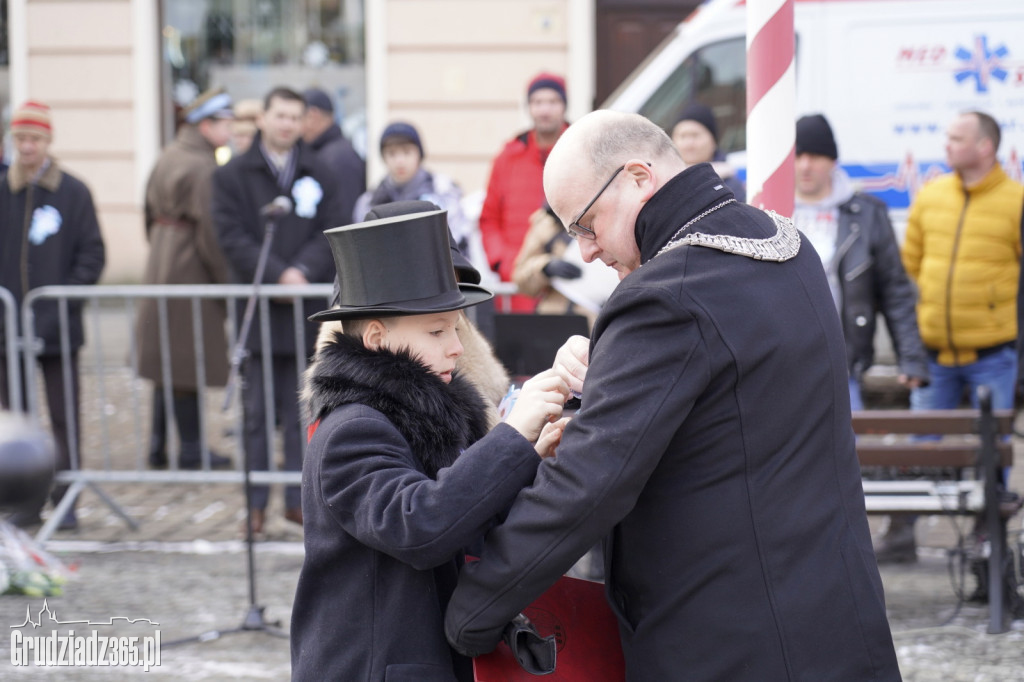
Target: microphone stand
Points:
(254, 620)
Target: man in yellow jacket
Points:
(963, 249)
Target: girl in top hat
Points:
(399, 475)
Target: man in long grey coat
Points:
(713, 449)
(184, 250)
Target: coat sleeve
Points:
(352, 172)
(315, 258)
(90, 253)
(240, 246)
(207, 246)
(375, 494)
(528, 273)
(897, 297)
(648, 366)
(913, 241)
(491, 228)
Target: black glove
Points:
(563, 269)
(535, 654)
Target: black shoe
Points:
(898, 545)
(158, 460)
(69, 522)
(216, 462)
(25, 519)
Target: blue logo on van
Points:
(981, 63)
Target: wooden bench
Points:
(956, 474)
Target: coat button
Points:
(861, 320)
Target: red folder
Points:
(586, 633)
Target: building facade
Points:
(114, 72)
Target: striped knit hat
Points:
(33, 116)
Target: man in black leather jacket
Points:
(852, 234)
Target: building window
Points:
(251, 46)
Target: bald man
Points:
(713, 450)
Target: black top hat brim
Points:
(467, 296)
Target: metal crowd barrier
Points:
(109, 321)
(12, 356)
(109, 361)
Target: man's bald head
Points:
(596, 144)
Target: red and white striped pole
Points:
(771, 104)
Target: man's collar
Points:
(683, 197)
(49, 176)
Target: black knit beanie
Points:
(695, 111)
(814, 136)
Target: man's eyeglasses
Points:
(577, 231)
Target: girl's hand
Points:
(550, 437)
(540, 402)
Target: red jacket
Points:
(514, 191)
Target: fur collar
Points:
(438, 420)
(17, 180)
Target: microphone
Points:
(279, 206)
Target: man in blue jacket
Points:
(49, 235)
(713, 449)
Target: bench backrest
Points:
(959, 450)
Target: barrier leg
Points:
(58, 512)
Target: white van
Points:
(889, 74)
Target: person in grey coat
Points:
(713, 449)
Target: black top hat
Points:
(463, 268)
(395, 266)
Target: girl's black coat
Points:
(388, 504)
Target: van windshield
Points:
(715, 75)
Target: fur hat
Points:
(814, 136)
(396, 266)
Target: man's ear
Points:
(374, 335)
(642, 173)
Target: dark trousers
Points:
(286, 417)
(188, 421)
(53, 379)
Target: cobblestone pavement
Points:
(186, 569)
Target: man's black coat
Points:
(714, 451)
(244, 186)
(347, 168)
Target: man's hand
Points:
(571, 362)
(563, 269)
(291, 275)
(540, 401)
(912, 382)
